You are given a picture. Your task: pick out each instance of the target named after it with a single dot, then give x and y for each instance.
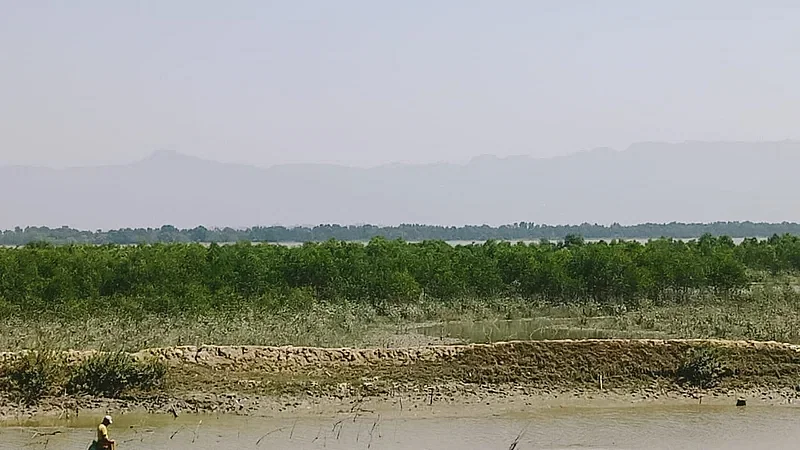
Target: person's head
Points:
(107, 420)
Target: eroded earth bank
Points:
(443, 379)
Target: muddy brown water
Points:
(652, 427)
(527, 329)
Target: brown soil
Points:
(552, 358)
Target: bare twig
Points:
(514, 444)
(176, 432)
(196, 430)
(372, 431)
(258, 442)
(39, 433)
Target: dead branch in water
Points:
(514, 444)
(258, 442)
(176, 432)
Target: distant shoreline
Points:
(450, 242)
(521, 231)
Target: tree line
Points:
(408, 232)
(182, 277)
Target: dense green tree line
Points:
(408, 232)
(163, 277)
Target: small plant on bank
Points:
(112, 374)
(33, 375)
(701, 369)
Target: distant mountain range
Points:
(648, 182)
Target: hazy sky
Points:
(367, 82)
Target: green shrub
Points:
(111, 374)
(33, 375)
(701, 368)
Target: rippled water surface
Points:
(700, 427)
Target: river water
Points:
(643, 427)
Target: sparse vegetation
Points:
(770, 312)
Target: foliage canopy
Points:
(181, 277)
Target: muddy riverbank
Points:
(447, 379)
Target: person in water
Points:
(103, 442)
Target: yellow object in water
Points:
(102, 433)
(102, 436)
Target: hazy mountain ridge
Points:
(648, 182)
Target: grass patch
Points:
(111, 374)
(38, 374)
(701, 368)
(316, 325)
(33, 375)
(770, 311)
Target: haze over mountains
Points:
(648, 182)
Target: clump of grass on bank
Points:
(37, 374)
(34, 375)
(701, 368)
(111, 374)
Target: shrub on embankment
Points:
(34, 375)
(180, 277)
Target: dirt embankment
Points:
(598, 355)
(684, 367)
(248, 379)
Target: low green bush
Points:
(112, 374)
(33, 375)
(701, 368)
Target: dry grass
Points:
(319, 326)
(769, 312)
